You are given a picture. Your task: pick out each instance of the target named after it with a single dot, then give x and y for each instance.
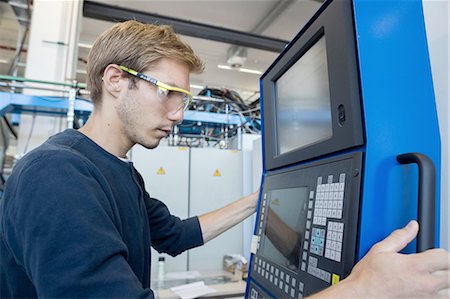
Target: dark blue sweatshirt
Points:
(76, 221)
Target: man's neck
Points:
(104, 131)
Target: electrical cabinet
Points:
(192, 182)
(215, 180)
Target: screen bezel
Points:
(336, 25)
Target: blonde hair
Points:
(137, 46)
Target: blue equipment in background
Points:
(348, 108)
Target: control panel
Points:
(305, 238)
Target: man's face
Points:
(146, 117)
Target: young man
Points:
(76, 220)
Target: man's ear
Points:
(113, 80)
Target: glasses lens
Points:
(186, 102)
(173, 100)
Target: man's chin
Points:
(151, 144)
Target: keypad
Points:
(317, 241)
(317, 272)
(333, 246)
(253, 294)
(329, 199)
(283, 280)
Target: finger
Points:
(433, 260)
(398, 239)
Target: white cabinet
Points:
(216, 180)
(192, 182)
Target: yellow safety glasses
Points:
(173, 98)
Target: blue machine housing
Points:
(398, 114)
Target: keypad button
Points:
(319, 180)
(330, 179)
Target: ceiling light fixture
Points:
(195, 86)
(239, 69)
(84, 45)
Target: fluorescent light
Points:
(195, 86)
(256, 72)
(84, 45)
(81, 71)
(4, 61)
(224, 67)
(240, 69)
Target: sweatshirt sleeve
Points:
(61, 229)
(170, 234)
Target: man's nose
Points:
(177, 116)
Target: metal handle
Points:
(427, 198)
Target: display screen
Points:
(303, 109)
(285, 226)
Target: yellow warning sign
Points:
(335, 279)
(217, 173)
(161, 171)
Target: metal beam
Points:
(111, 13)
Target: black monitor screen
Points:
(285, 227)
(303, 107)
